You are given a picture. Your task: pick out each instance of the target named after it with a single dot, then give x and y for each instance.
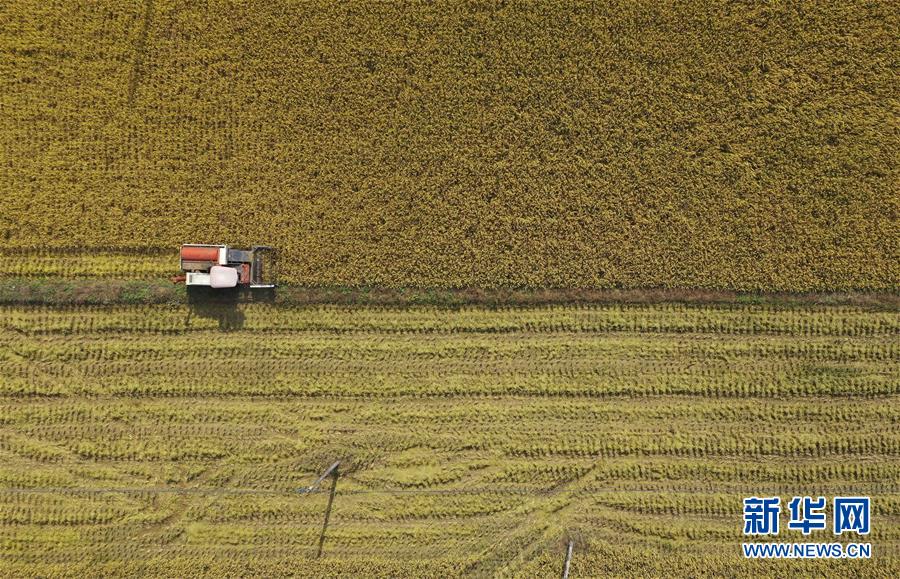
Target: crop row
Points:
(90, 265)
(519, 444)
(262, 318)
(327, 385)
(702, 351)
(850, 413)
(714, 471)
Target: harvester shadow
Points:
(223, 305)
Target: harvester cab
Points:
(220, 266)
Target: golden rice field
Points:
(172, 440)
(734, 145)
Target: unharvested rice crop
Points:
(172, 440)
(733, 145)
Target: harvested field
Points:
(731, 145)
(171, 440)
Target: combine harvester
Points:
(219, 266)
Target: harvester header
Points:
(220, 266)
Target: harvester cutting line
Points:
(220, 266)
